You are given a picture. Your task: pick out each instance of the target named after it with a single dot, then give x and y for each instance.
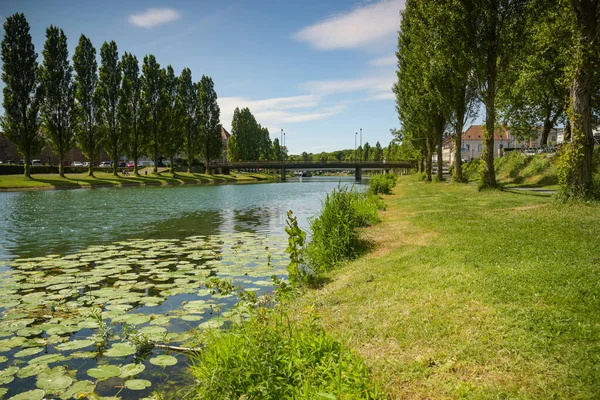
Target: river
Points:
(81, 268)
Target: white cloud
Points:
(373, 85)
(358, 28)
(383, 61)
(279, 111)
(154, 16)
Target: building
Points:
(473, 142)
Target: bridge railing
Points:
(302, 162)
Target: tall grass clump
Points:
(271, 356)
(335, 237)
(382, 184)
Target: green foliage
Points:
(109, 87)
(87, 106)
(152, 88)
(382, 184)
(130, 108)
(471, 169)
(208, 117)
(22, 94)
(249, 141)
(335, 237)
(187, 104)
(170, 124)
(273, 357)
(570, 158)
(56, 81)
(296, 249)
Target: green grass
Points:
(473, 295)
(101, 179)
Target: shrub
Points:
(271, 357)
(382, 184)
(334, 231)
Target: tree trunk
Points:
(429, 159)
(489, 175)
(582, 142)
(27, 166)
(61, 171)
(422, 164)
(172, 159)
(546, 131)
(135, 166)
(458, 175)
(440, 140)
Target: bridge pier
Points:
(282, 174)
(358, 174)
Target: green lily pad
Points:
(102, 372)
(32, 370)
(137, 384)
(75, 344)
(29, 352)
(47, 359)
(163, 361)
(120, 350)
(79, 389)
(36, 394)
(53, 380)
(26, 332)
(3, 359)
(130, 370)
(132, 319)
(6, 375)
(83, 354)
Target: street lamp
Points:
(355, 136)
(280, 142)
(361, 148)
(283, 148)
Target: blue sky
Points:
(321, 70)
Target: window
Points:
(468, 146)
(479, 147)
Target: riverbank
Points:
(469, 294)
(106, 179)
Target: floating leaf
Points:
(137, 384)
(47, 359)
(6, 375)
(120, 350)
(53, 380)
(103, 372)
(131, 370)
(29, 352)
(36, 394)
(163, 361)
(80, 389)
(32, 370)
(75, 344)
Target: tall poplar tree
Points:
(87, 106)
(130, 109)
(187, 104)
(152, 85)
(109, 87)
(22, 95)
(209, 120)
(170, 124)
(58, 88)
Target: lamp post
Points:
(355, 136)
(280, 142)
(361, 148)
(283, 148)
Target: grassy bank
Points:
(106, 179)
(474, 295)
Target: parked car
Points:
(85, 164)
(105, 164)
(130, 164)
(77, 164)
(36, 163)
(122, 164)
(529, 152)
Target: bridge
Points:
(224, 167)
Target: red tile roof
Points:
(475, 132)
(224, 134)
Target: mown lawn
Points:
(49, 181)
(473, 295)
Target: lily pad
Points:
(163, 361)
(36, 394)
(6, 375)
(103, 372)
(137, 384)
(47, 359)
(80, 389)
(29, 352)
(54, 380)
(120, 350)
(75, 344)
(32, 370)
(130, 370)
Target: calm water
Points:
(156, 245)
(39, 223)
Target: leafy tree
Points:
(171, 126)
(22, 94)
(58, 88)
(109, 88)
(305, 156)
(187, 104)
(366, 152)
(278, 154)
(378, 153)
(152, 88)
(130, 109)
(265, 146)
(87, 106)
(576, 167)
(209, 123)
(498, 27)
